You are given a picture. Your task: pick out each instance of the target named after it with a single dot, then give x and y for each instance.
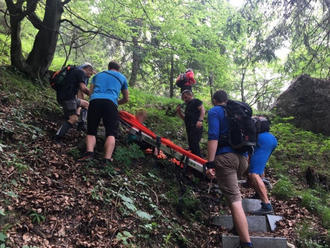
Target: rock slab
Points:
(258, 242)
(272, 219)
(250, 205)
(256, 223)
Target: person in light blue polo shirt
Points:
(106, 87)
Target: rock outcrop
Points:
(308, 101)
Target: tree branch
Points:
(94, 32)
(34, 19)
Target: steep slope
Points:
(47, 199)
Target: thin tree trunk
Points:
(211, 83)
(135, 63)
(16, 17)
(242, 84)
(172, 76)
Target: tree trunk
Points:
(42, 53)
(44, 46)
(135, 63)
(242, 84)
(172, 76)
(16, 17)
(211, 84)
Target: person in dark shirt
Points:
(193, 117)
(67, 97)
(82, 123)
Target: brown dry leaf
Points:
(26, 237)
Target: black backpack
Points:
(262, 124)
(242, 135)
(181, 80)
(57, 80)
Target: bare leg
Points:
(90, 143)
(259, 186)
(109, 146)
(240, 221)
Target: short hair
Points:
(113, 65)
(189, 92)
(87, 65)
(220, 96)
(189, 69)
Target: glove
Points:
(210, 165)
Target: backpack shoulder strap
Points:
(121, 83)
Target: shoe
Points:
(88, 156)
(267, 184)
(266, 208)
(245, 245)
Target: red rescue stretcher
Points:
(185, 157)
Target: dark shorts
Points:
(107, 111)
(229, 167)
(70, 107)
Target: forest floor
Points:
(48, 199)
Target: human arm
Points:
(179, 112)
(83, 88)
(124, 99)
(201, 109)
(212, 144)
(91, 89)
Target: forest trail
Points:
(48, 199)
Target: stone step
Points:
(267, 183)
(250, 205)
(272, 219)
(256, 223)
(258, 242)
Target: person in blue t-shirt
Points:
(226, 165)
(266, 143)
(106, 87)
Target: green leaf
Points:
(3, 237)
(2, 212)
(125, 198)
(144, 215)
(11, 194)
(130, 206)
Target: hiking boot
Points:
(245, 245)
(266, 208)
(88, 156)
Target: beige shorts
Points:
(229, 167)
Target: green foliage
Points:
(125, 155)
(3, 238)
(317, 200)
(37, 217)
(284, 188)
(309, 237)
(74, 152)
(124, 237)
